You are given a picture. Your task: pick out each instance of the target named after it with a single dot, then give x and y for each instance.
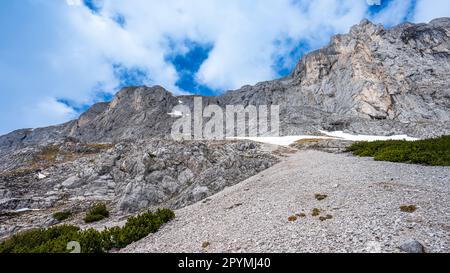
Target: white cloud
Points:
(60, 49)
(49, 110)
(427, 10)
(74, 2)
(243, 32)
(395, 12)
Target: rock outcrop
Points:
(128, 176)
(132, 175)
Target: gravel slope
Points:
(364, 199)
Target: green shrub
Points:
(432, 152)
(62, 215)
(52, 240)
(137, 227)
(55, 239)
(96, 213)
(92, 241)
(90, 218)
(165, 214)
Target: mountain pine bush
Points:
(96, 213)
(431, 152)
(55, 239)
(62, 215)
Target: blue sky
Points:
(59, 57)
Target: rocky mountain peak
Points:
(133, 113)
(366, 28)
(139, 96)
(370, 81)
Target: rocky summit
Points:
(372, 80)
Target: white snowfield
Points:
(345, 136)
(280, 141)
(288, 140)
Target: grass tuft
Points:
(408, 208)
(327, 217)
(206, 244)
(315, 212)
(320, 197)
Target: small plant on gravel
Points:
(206, 244)
(62, 215)
(408, 208)
(292, 218)
(301, 215)
(96, 213)
(327, 217)
(315, 212)
(320, 197)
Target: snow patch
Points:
(175, 114)
(25, 209)
(339, 135)
(280, 141)
(346, 136)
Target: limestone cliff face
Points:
(401, 74)
(398, 74)
(372, 80)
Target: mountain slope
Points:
(364, 204)
(372, 80)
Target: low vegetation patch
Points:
(55, 239)
(408, 208)
(315, 212)
(308, 140)
(431, 152)
(54, 154)
(62, 215)
(96, 213)
(320, 197)
(19, 172)
(46, 157)
(301, 215)
(326, 217)
(292, 218)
